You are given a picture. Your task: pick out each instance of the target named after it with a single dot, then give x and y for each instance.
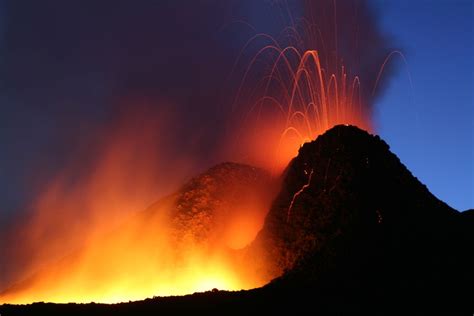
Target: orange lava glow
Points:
(93, 240)
(135, 261)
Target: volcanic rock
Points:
(204, 207)
(351, 220)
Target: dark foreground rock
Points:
(351, 220)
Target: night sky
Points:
(69, 67)
(430, 126)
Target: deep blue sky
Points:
(430, 125)
(64, 65)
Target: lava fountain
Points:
(324, 69)
(309, 101)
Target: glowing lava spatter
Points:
(322, 70)
(301, 100)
